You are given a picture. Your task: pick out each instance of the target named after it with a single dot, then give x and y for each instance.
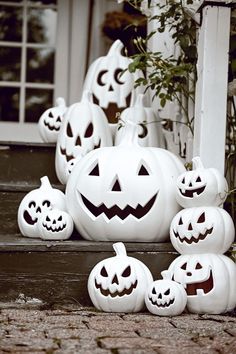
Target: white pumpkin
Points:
(36, 202)
(55, 224)
(118, 284)
(165, 297)
(201, 187)
(209, 280)
(84, 129)
(124, 193)
(148, 120)
(50, 121)
(111, 84)
(202, 229)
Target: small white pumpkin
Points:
(166, 297)
(50, 121)
(209, 280)
(201, 187)
(118, 284)
(85, 128)
(55, 224)
(124, 192)
(111, 84)
(202, 229)
(34, 203)
(148, 120)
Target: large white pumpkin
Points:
(119, 283)
(201, 186)
(50, 121)
(84, 129)
(111, 84)
(209, 280)
(35, 203)
(124, 193)
(202, 229)
(148, 120)
(165, 297)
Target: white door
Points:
(38, 62)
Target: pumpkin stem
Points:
(86, 96)
(139, 100)
(197, 163)
(166, 274)
(45, 183)
(60, 102)
(130, 135)
(117, 46)
(120, 249)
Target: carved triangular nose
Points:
(110, 88)
(116, 186)
(115, 280)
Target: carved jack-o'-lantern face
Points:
(198, 230)
(51, 120)
(35, 203)
(55, 224)
(118, 283)
(119, 193)
(150, 130)
(165, 297)
(202, 186)
(110, 82)
(209, 280)
(85, 129)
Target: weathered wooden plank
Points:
(59, 277)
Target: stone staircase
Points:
(52, 271)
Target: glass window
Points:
(10, 63)
(9, 104)
(11, 23)
(36, 102)
(40, 66)
(42, 26)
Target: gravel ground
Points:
(75, 329)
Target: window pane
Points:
(10, 64)
(37, 101)
(40, 65)
(42, 25)
(9, 104)
(10, 23)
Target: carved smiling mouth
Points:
(204, 286)
(29, 219)
(164, 305)
(115, 210)
(51, 127)
(112, 109)
(193, 239)
(106, 292)
(55, 229)
(70, 157)
(189, 193)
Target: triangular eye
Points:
(154, 291)
(201, 218)
(180, 221)
(69, 131)
(104, 272)
(89, 131)
(47, 218)
(198, 266)
(50, 115)
(95, 171)
(126, 273)
(183, 180)
(198, 179)
(167, 292)
(60, 218)
(58, 119)
(143, 171)
(184, 266)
